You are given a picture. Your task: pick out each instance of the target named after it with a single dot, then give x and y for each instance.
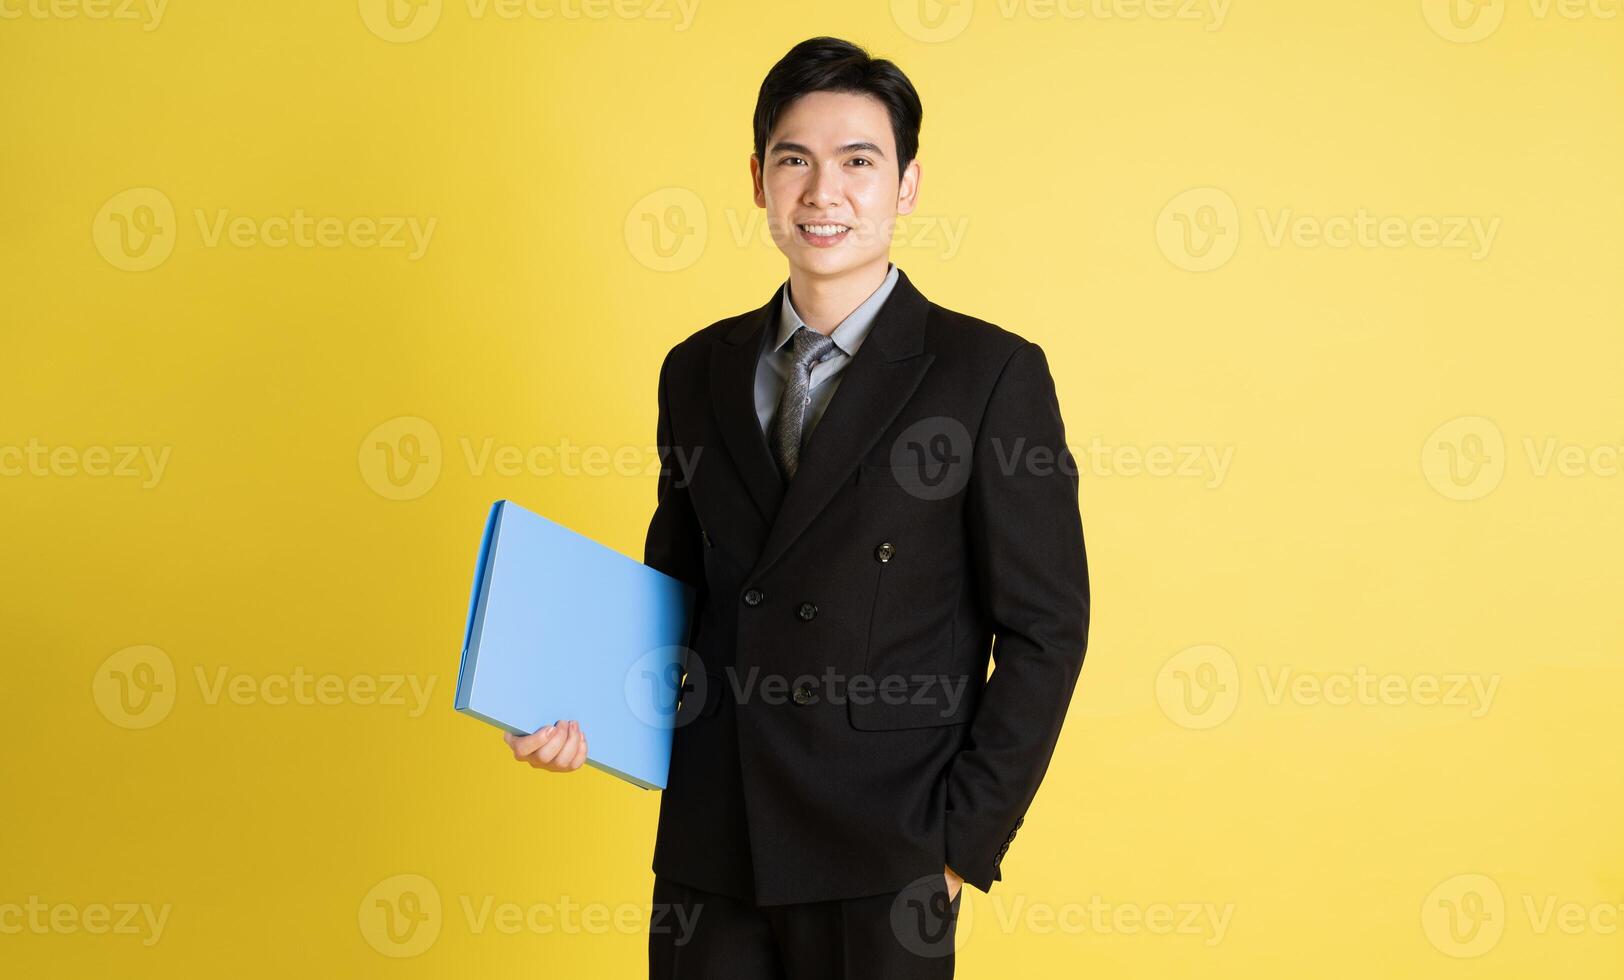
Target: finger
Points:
(523, 745)
(559, 748)
(580, 754)
(529, 743)
(573, 745)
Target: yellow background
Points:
(1340, 837)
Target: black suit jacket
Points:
(821, 751)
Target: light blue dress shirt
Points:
(772, 366)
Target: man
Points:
(880, 486)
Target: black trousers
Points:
(700, 935)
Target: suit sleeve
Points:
(673, 544)
(1031, 574)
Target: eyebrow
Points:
(783, 146)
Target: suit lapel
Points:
(733, 399)
(873, 388)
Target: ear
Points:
(908, 189)
(755, 180)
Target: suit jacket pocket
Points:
(924, 702)
(877, 475)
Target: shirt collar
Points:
(848, 336)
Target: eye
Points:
(865, 161)
(786, 160)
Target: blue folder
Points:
(560, 626)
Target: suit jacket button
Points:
(807, 611)
(753, 597)
(803, 695)
(885, 551)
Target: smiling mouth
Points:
(823, 234)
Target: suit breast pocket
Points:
(877, 475)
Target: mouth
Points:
(823, 235)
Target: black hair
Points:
(828, 64)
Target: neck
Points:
(824, 301)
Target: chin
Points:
(824, 262)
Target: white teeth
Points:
(825, 231)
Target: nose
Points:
(823, 189)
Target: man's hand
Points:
(560, 747)
(954, 882)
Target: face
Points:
(830, 183)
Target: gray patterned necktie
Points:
(810, 347)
